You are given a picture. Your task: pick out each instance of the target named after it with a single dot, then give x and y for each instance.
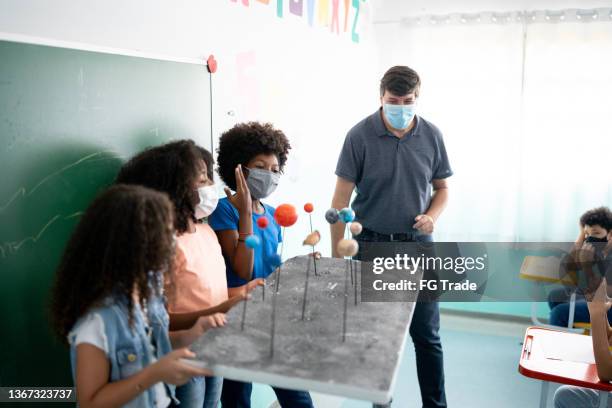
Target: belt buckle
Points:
(400, 237)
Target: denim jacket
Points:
(129, 349)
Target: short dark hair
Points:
(245, 141)
(400, 80)
(171, 168)
(601, 216)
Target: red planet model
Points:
(285, 215)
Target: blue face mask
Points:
(399, 116)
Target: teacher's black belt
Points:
(369, 235)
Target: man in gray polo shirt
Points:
(397, 164)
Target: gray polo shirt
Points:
(392, 176)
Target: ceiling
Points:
(389, 10)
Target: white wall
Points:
(308, 81)
(386, 10)
(497, 90)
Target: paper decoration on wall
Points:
(327, 13)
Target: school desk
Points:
(310, 354)
(543, 270)
(562, 357)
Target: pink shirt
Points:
(200, 281)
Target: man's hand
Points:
(424, 223)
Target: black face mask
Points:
(595, 239)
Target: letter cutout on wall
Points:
(279, 8)
(346, 14)
(311, 6)
(323, 15)
(335, 23)
(354, 35)
(296, 7)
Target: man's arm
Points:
(425, 222)
(342, 197)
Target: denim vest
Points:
(129, 349)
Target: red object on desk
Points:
(534, 364)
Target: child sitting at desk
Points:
(572, 397)
(595, 229)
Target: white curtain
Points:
(526, 110)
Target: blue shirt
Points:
(225, 217)
(393, 177)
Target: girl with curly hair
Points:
(184, 171)
(251, 159)
(107, 303)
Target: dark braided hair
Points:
(125, 234)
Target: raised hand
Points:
(242, 200)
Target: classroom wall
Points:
(392, 10)
(285, 64)
(69, 118)
(495, 88)
(306, 66)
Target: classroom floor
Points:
(481, 365)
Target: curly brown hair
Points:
(124, 235)
(245, 141)
(172, 168)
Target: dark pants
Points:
(424, 331)
(237, 394)
(558, 301)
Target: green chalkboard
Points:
(68, 119)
